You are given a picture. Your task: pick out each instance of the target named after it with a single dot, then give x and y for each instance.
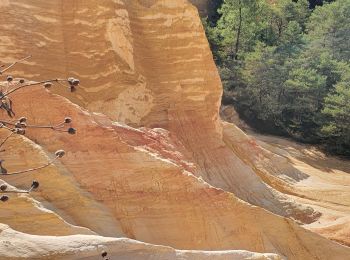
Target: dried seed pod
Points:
(47, 84)
(76, 82)
(9, 78)
(104, 254)
(60, 153)
(22, 120)
(72, 131)
(19, 131)
(35, 185)
(21, 81)
(3, 187)
(73, 88)
(4, 198)
(68, 120)
(70, 80)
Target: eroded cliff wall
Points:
(151, 160)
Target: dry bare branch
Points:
(33, 169)
(13, 64)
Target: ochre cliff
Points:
(151, 160)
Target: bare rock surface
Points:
(152, 160)
(18, 245)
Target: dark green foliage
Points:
(213, 14)
(287, 69)
(314, 3)
(337, 113)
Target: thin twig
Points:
(44, 126)
(32, 84)
(7, 137)
(5, 127)
(61, 84)
(60, 125)
(7, 122)
(14, 191)
(61, 130)
(14, 63)
(32, 169)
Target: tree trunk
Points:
(239, 29)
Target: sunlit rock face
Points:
(89, 246)
(151, 160)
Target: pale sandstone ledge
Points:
(17, 245)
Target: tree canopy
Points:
(286, 66)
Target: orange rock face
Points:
(151, 160)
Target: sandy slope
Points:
(304, 172)
(326, 189)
